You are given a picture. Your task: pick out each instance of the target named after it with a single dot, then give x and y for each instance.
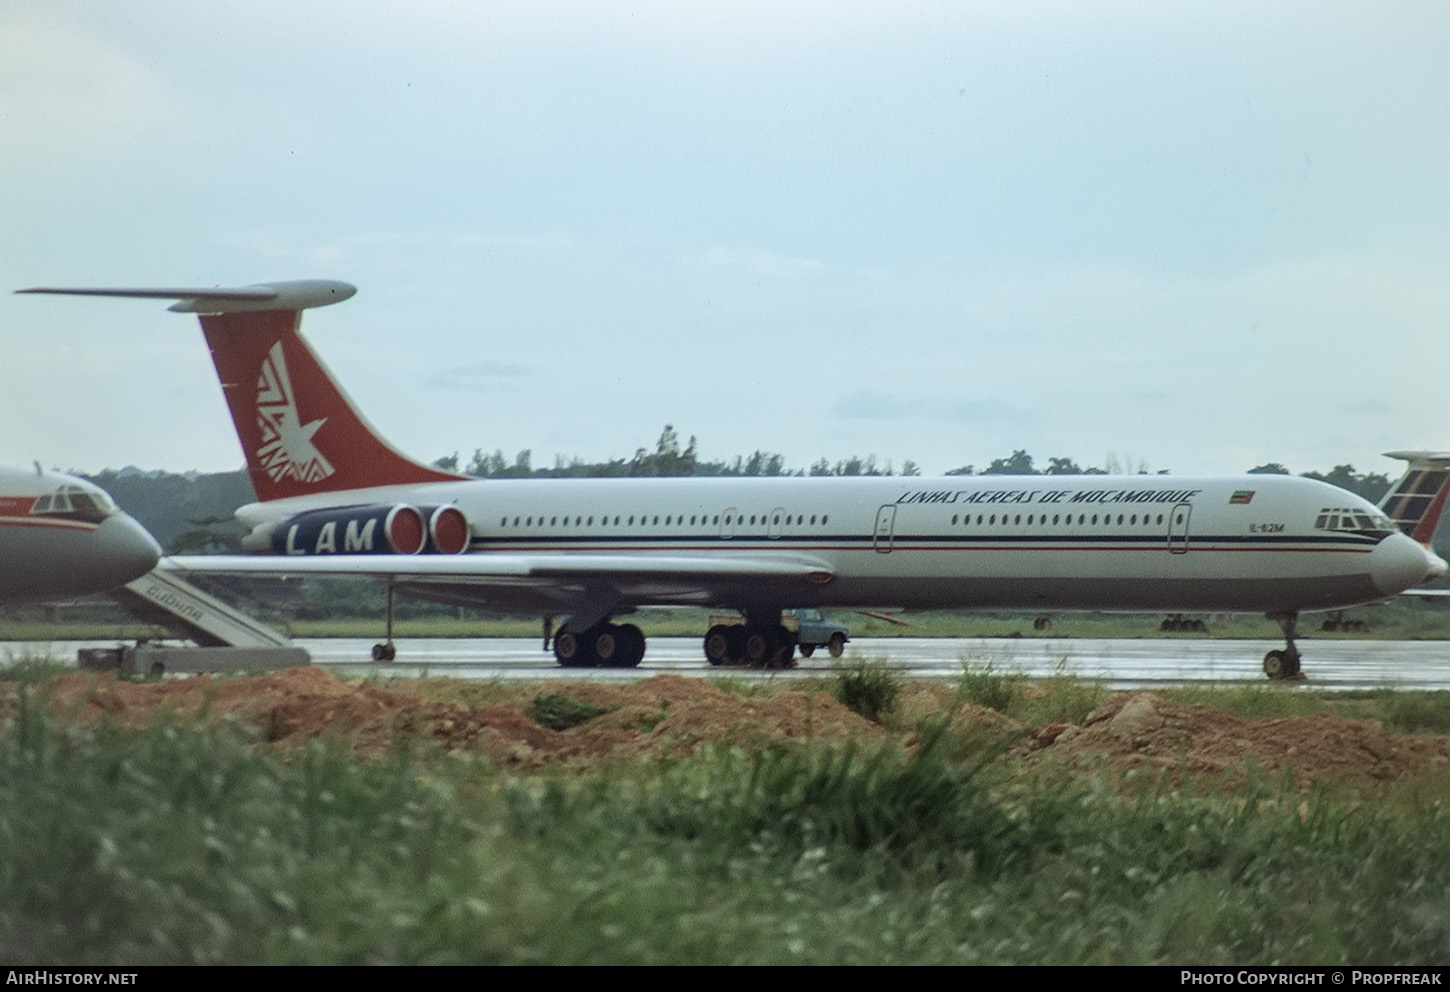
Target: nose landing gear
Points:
(1285, 664)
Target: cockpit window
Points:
(85, 506)
(1345, 520)
(75, 503)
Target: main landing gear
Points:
(1336, 620)
(1284, 664)
(755, 645)
(387, 650)
(605, 645)
(1177, 622)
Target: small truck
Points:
(814, 631)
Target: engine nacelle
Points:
(353, 530)
(449, 532)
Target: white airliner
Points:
(61, 537)
(336, 499)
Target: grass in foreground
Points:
(867, 686)
(190, 843)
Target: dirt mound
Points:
(671, 715)
(663, 714)
(1143, 731)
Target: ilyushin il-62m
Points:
(334, 498)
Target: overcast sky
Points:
(1196, 236)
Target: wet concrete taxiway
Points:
(1343, 664)
(1118, 663)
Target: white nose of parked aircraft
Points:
(60, 536)
(1438, 566)
(1398, 563)
(124, 550)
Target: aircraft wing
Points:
(505, 569)
(590, 587)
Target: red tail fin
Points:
(300, 433)
(298, 429)
(1417, 500)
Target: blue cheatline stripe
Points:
(947, 542)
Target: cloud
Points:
(1366, 408)
(886, 406)
(481, 377)
(65, 94)
(767, 264)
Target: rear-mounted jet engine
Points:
(368, 530)
(448, 530)
(352, 530)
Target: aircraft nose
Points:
(1398, 563)
(124, 551)
(1437, 566)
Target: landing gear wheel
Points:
(717, 645)
(1292, 668)
(1285, 663)
(606, 644)
(384, 652)
(1274, 664)
(568, 649)
(760, 646)
(735, 645)
(784, 656)
(1282, 665)
(837, 644)
(631, 650)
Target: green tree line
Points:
(192, 512)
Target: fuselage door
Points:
(774, 526)
(885, 528)
(728, 520)
(1178, 528)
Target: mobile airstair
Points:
(224, 638)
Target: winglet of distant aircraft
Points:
(335, 498)
(1416, 502)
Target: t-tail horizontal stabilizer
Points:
(300, 432)
(297, 294)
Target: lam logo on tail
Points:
(287, 451)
